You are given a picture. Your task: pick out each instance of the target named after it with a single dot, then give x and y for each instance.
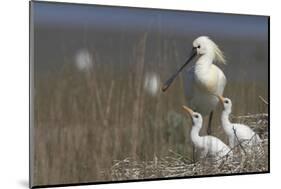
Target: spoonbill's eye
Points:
(196, 116)
(226, 101)
(198, 47)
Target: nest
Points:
(176, 165)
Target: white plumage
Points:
(199, 95)
(236, 132)
(208, 145)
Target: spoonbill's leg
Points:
(209, 129)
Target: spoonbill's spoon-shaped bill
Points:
(221, 99)
(173, 77)
(188, 110)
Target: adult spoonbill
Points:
(204, 80)
(236, 133)
(210, 145)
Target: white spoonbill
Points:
(209, 145)
(204, 80)
(236, 132)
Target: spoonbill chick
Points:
(204, 79)
(209, 145)
(236, 132)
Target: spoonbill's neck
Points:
(204, 63)
(205, 59)
(226, 124)
(196, 139)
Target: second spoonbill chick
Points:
(209, 145)
(236, 132)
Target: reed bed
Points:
(101, 125)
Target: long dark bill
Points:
(173, 77)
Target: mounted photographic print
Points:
(121, 94)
